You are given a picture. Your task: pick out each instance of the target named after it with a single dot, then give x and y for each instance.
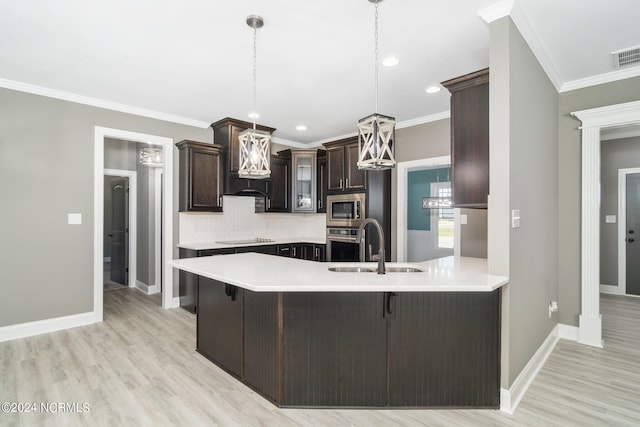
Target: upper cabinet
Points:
(303, 181)
(225, 133)
(200, 176)
(470, 139)
(343, 174)
(278, 187)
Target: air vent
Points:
(626, 58)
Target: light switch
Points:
(610, 219)
(463, 219)
(515, 218)
(74, 218)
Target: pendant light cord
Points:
(376, 57)
(255, 54)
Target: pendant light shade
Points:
(150, 156)
(376, 133)
(255, 145)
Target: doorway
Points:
(167, 251)
(632, 244)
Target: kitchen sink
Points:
(347, 269)
(389, 268)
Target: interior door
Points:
(633, 227)
(118, 233)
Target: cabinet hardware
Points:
(389, 303)
(317, 253)
(220, 201)
(268, 203)
(230, 291)
(347, 183)
(294, 251)
(341, 187)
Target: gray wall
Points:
(569, 153)
(531, 124)
(615, 154)
(46, 163)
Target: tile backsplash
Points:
(239, 221)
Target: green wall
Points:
(419, 186)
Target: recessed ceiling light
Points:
(301, 127)
(390, 61)
(254, 115)
(433, 89)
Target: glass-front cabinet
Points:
(303, 179)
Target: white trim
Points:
(592, 121)
(157, 232)
(622, 228)
(533, 40)
(133, 223)
(175, 302)
(620, 133)
(510, 399)
(611, 76)
(100, 103)
(147, 289)
(611, 289)
(496, 11)
(168, 300)
(401, 203)
(295, 144)
(568, 332)
(424, 119)
(38, 327)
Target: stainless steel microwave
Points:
(345, 210)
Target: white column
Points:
(590, 318)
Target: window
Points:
(442, 218)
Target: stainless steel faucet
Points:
(380, 256)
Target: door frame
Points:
(100, 133)
(593, 120)
(403, 169)
(133, 214)
(622, 227)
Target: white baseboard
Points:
(568, 332)
(510, 399)
(147, 289)
(610, 289)
(38, 327)
(175, 302)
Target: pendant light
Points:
(150, 156)
(255, 145)
(376, 133)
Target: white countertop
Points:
(270, 273)
(200, 246)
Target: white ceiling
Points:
(190, 61)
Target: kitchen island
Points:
(304, 336)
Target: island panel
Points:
(334, 349)
(444, 350)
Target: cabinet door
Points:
(283, 250)
(205, 180)
(444, 349)
(302, 251)
(335, 168)
(303, 188)
(334, 349)
(219, 324)
(187, 283)
(322, 183)
(355, 178)
(278, 187)
(234, 148)
(319, 253)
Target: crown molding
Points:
(532, 39)
(496, 11)
(294, 144)
(424, 119)
(608, 116)
(600, 79)
(95, 102)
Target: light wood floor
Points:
(139, 368)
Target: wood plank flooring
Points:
(139, 368)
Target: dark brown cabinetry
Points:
(444, 349)
(470, 139)
(225, 133)
(322, 181)
(219, 324)
(356, 349)
(188, 282)
(342, 167)
(200, 176)
(278, 187)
